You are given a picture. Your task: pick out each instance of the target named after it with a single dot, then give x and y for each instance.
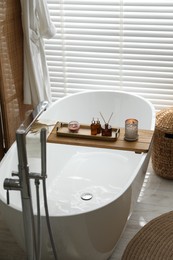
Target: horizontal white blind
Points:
(112, 44)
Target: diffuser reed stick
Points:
(110, 118)
(102, 117)
(105, 120)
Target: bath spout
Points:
(32, 117)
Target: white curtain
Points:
(36, 26)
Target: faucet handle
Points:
(6, 187)
(11, 184)
(8, 197)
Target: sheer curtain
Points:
(36, 26)
(112, 44)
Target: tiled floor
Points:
(9, 249)
(156, 198)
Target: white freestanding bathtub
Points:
(83, 229)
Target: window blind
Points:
(112, 44)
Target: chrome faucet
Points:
(22, 183)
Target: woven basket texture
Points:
(162, 151)
(153, 241)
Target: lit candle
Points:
(131, 129)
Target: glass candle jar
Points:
(131, 129)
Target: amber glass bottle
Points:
(93, 127)
(98, 126)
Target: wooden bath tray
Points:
(139, 146)
(85, 132)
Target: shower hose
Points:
(38, 247)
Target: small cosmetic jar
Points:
(73, 127)
(131, 129)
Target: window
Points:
(112, 44)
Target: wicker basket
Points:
(153, 241)
(162, 152)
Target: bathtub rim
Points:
(153, 112)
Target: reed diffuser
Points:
(106, 128)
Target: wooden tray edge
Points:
(59, 125)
